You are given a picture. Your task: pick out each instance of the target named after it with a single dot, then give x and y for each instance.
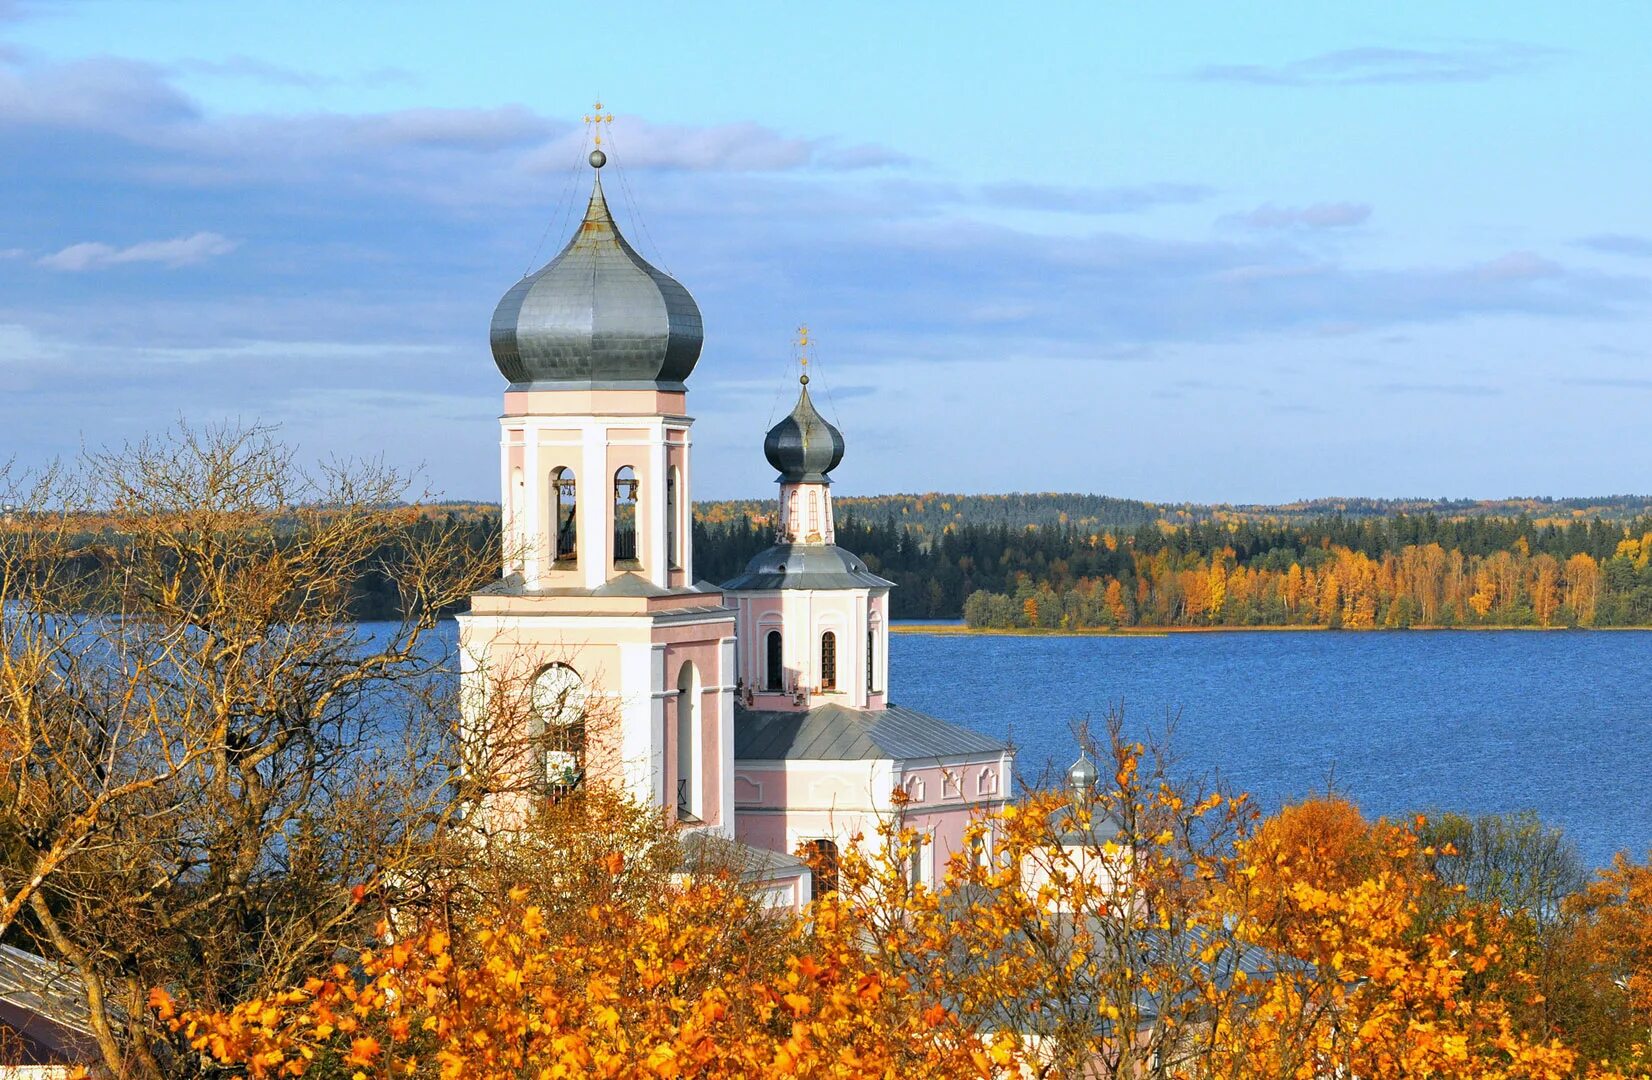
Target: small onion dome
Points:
(803, 446)
(1082, 777)
(597, 317)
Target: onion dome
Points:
(1082, 777)
(597, 317)
(803, 446)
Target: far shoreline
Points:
(958, 630)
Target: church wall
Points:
(713, 748)
(945, 798)
(803, 616)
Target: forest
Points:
(1074, 562)
(1058, 562)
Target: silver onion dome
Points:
(803, 446)
(1081, 777)
(597, 317)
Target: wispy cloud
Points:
(1373, 65)
(255, 70)
(1626, 382)
(1639, 247)
(179, 251)
(1517, 266)
(1123, 199)
(1325, 215)
(1450, 389)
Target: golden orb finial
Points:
(803, 353)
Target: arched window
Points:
(565, 514)
(828, 661)
(559, 726)
(688, 705)
(814, 515)
(871, 658)
(673, 539)
(822, 861)
(625, 517)
(772, 669)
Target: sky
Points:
(1181, 251)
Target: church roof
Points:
(44, 989)
(597, 317)
(839, 733)
(806, 566)
(804, 446)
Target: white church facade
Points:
(758, 710)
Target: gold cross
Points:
(597, 118)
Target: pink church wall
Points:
(706, 657)
(803, 618)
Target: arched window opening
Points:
(565, 514)
(828, 661)
(688, 706)
(814, 515)
(772, 668)
(625, 517)
(822, 862)
(871, 658)
(558, 700)
(673, 537)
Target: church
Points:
(758, 710)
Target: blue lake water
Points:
(1482, 721)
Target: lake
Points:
(1480, 721)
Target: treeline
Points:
(930, 514)
(1407, 570)
(1584, 575)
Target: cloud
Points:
(1639, 247)
(1517, 266)
(253, 69)
(1451, 389)
(1326, 215)
(181, 251)
(1123, 199)
(1620, 383)
(104, 94)
(1378, 65)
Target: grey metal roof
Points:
(708, 850)
(597, 316)
(803, 446)
(839, 733)
(806, 566)
(42, 988)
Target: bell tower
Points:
(597, 599)
(814, 627)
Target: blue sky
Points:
(1205, 251)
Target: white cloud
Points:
(179, 251)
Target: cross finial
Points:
(803, 352)
(596, 118)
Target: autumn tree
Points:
(211, 777)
